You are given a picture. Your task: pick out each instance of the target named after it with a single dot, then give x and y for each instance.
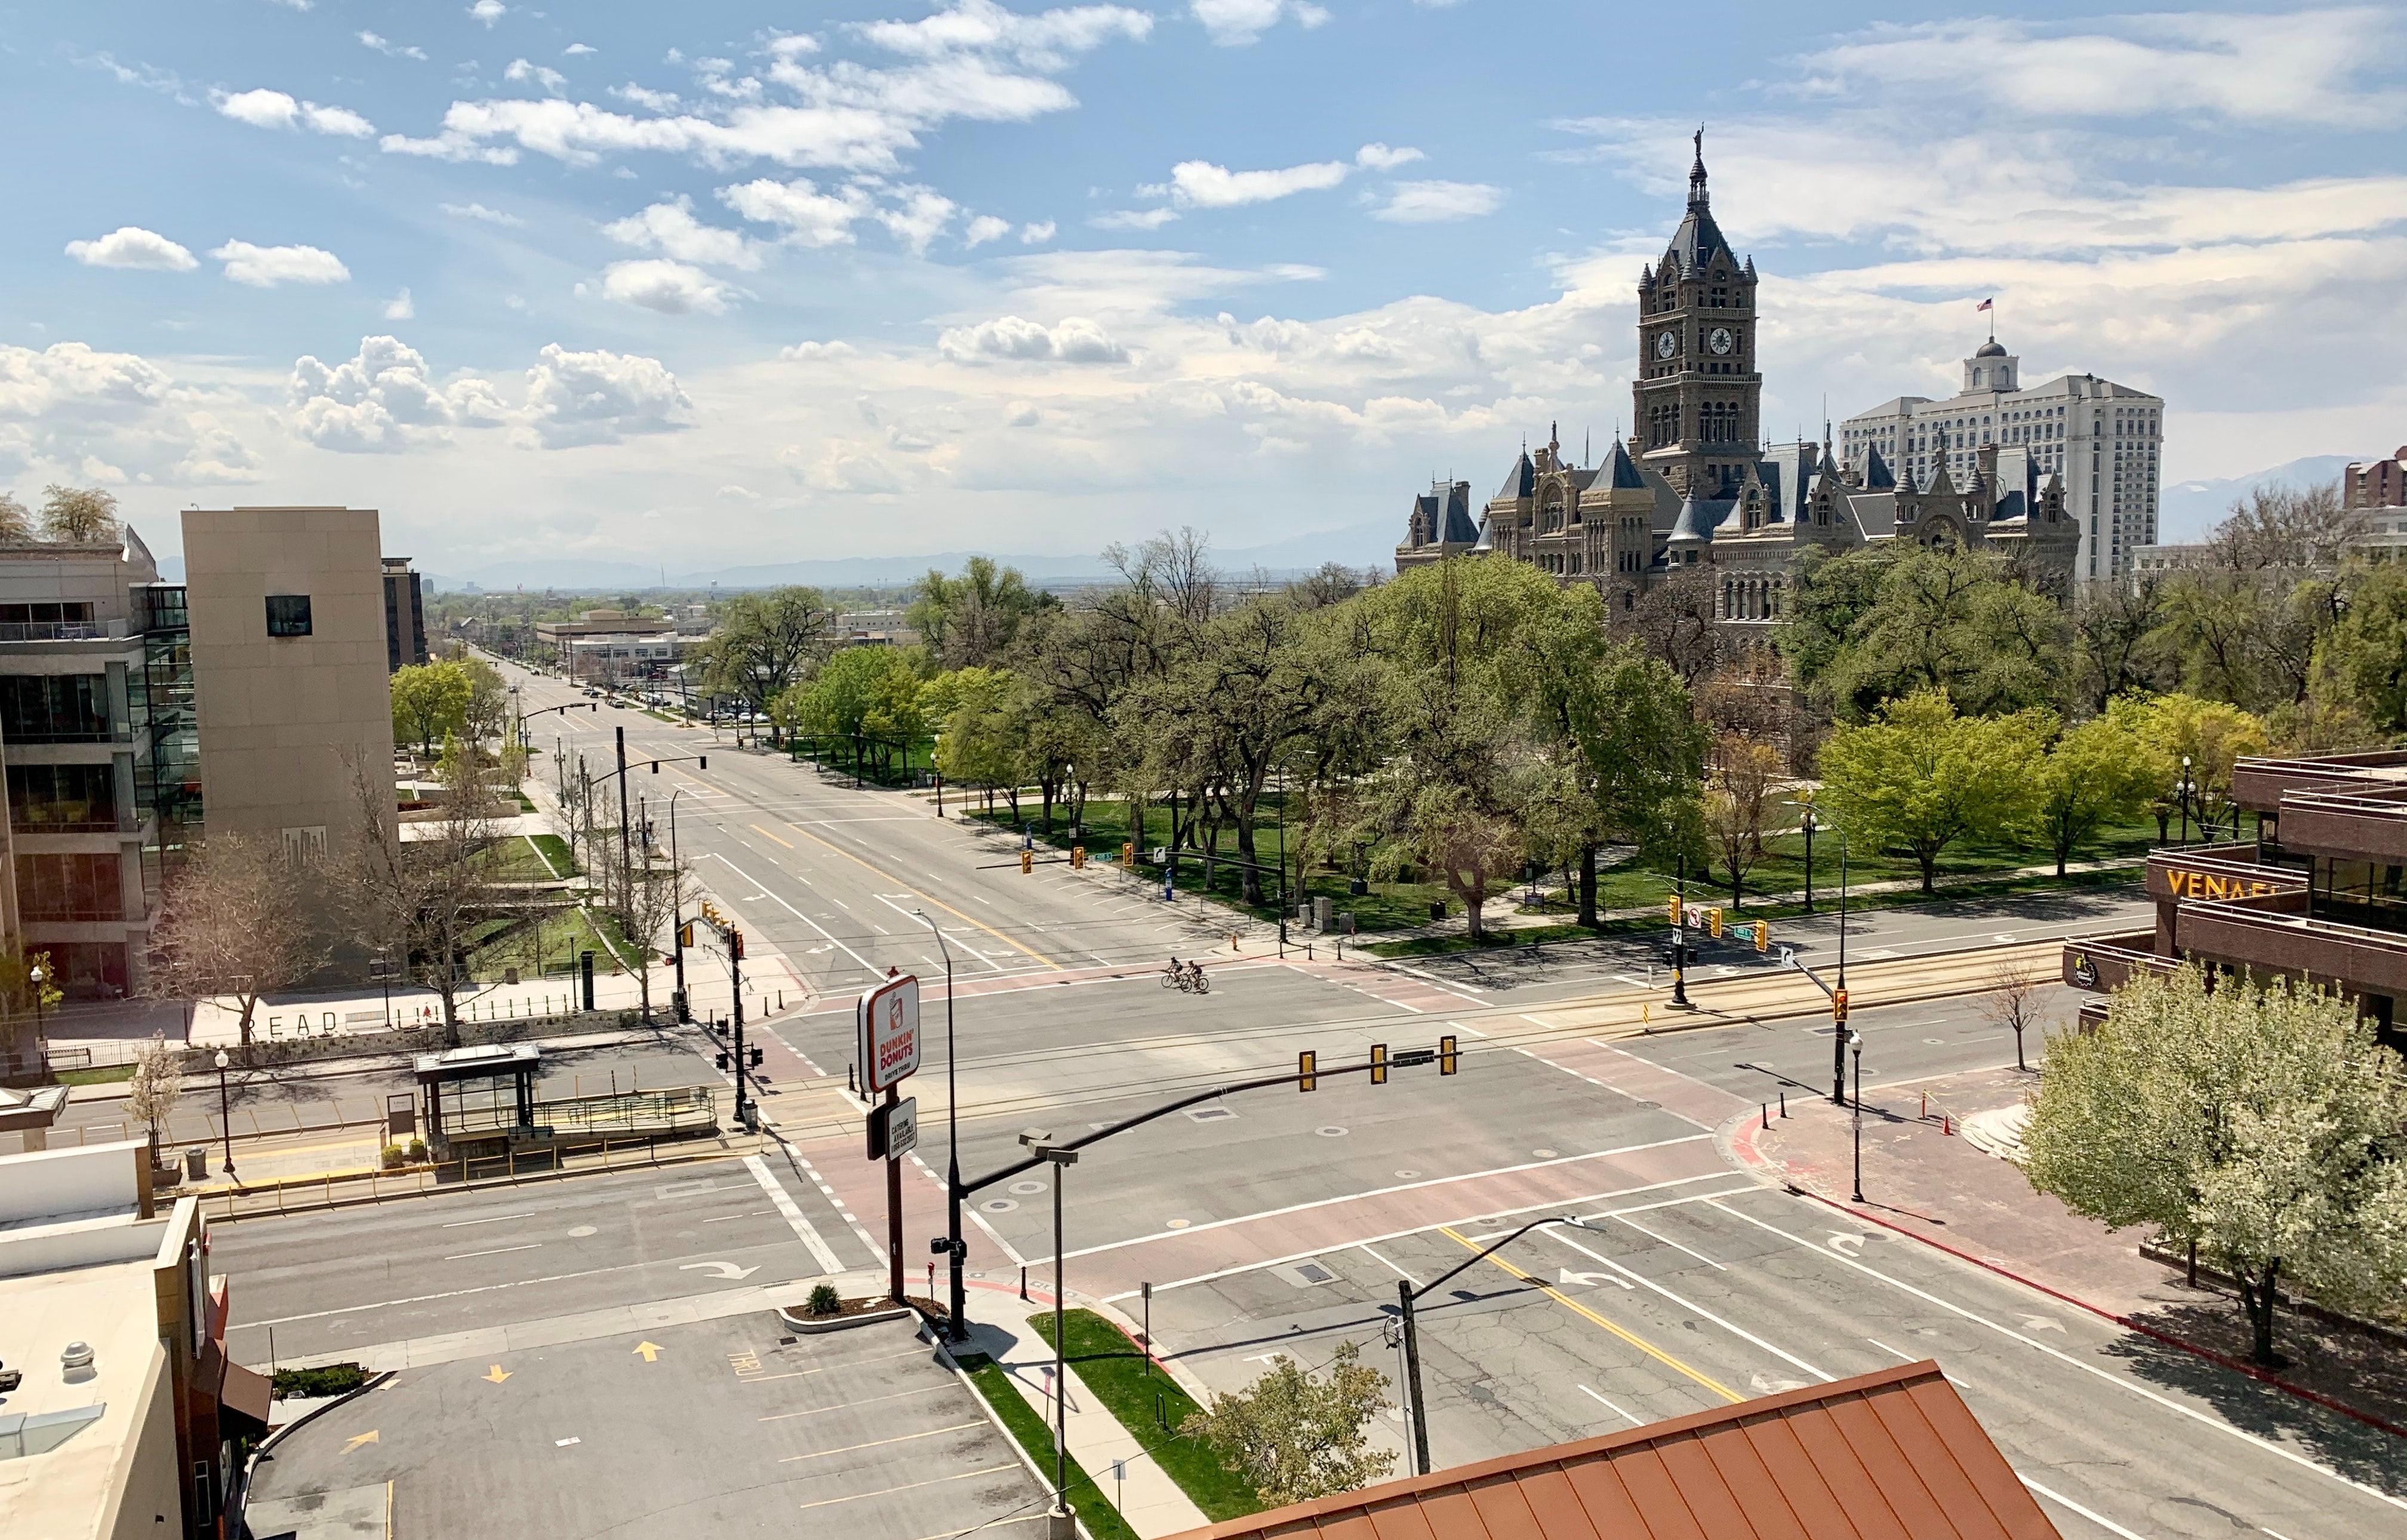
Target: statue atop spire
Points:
(1697, 172)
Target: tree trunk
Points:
(2257, 1298)
(1474, 898)
(1587, 887)
(1930, 864)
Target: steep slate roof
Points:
(1699, 238)
(1894, 1452)
(1521, 480)
(1619, 470)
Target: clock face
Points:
(1666, 344)
(1720, 340)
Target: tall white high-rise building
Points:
(2099, 439)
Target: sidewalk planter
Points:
(809, 1325)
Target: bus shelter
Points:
(479, 1101)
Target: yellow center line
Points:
(757, 829)
(1640, 1343)
(924, 897)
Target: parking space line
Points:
(913, 1485)
(881, 1443)
(868, 1401)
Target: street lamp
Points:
(957, 1302)
(225, 1111)
(1809, 860)
(2185, 799)
(677, 909)
(936, 747)
(1040, 1143)
(1417, 1411)
(41, 1028)
(1856, 1043)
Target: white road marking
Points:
(797, 914)
(1646, 1282)
(1635, 1420)
(2117, 1380)
(496, 1252)
(1365, 1248)
(1670, 1241)
(803, 1228)
(2099, 1519)
(487, 1219)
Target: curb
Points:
(811, 1326)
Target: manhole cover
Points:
(1177, 1224)
(1543, 1154)
(580, 1232)
(1331, 1131)
(1027, 1189)
(1407, 1175)
(1000, 1206)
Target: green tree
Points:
(2264, 1125)
(867, 697)
(2365, 655)
(430, 703)
(766, 643)
(158, 1081)
(971, 621)
(78, 515)
(2096, 775)
(1921, 777)
(979, 746)
(2209, 737)
(1294, 1434)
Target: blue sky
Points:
(719, 283)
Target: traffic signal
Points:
(1304, 1064)
(1671, 907)
(702, 762)
(1448, 1058)
(1378, 1063)
(1763, 936)
(685, 933)
(1027, 862)
(1713, 923)
(753, 1055)
(1077, 857)
(722, 1059)
(735, 944)
(656, 767)
(1839, 1008)
(1128, 853)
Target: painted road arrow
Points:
(652, 1350)
(724, 1269)
(1592, 1280)
(497, 1374)
(358, 1439)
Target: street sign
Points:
(901, 1128)
(887, 1032)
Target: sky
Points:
(714, 284)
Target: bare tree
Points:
(1735, 794)
(654, 899)
(237, 922)
(423, 896)
(78, 515)
(1674, 622)
(158, 1081)
(2012, 1001)
(16, 519)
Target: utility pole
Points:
(677, 900)
(626, 866)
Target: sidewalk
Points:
(1922, 1180)
(1146, 1497)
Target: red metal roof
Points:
(1885, 1456)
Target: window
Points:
(69, 888)
(59, 798)
(54, 708)
(288, 615)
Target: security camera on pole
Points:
(885, 1026)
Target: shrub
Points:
(391, 1157)
(326, 1379)
(418, 1150)
(824, 1301)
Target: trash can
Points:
(197, 1164)
(1437, 909)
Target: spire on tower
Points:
(1696, 172)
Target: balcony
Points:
(2107, 962)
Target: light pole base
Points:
(1060, 1524)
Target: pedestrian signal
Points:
(1304, 1064)
(1378, 1063)
(1027, 862)
(702, 762)
(754, 1053)
(1449, 1059)
(722, 1059)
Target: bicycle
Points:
(1186, 977)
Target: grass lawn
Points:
(549, 948)
(518, 859)
(1095, 1512)
(1115, 1369)
(105, 1074)
(558, 859)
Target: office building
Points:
(2376, 485)
(2316, 894)
(404, 615)
(128, 1421)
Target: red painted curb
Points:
(2317, 1397)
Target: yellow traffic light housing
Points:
(1448, 1058)
(1128, 853)
(1027, 862)
(1077, 857)
(1304, 1064)
(1713, 923)
(685, 933)
(1378, 1063)
(1839, 1008)
(1763, 936)
(1671, 907)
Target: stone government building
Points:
(1695, 487)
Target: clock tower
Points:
(1697, 396)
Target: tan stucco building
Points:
(289, 654)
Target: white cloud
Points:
(573, 49)
(812, 352)
(384, 400)
(266, 266)
(1430, 203)
(264, 108)
(1200, 184)
(658, 101)
(1036, 234)
(811, 218)
(1135, 219)
(985, 228)
(401, 307)
(734, 493)
(671, 288)
(1044, 41)
(1379, 157)
(671, 228)
(479, 211)
(69, 412)
(918, 217)
(488, 11)
(389, 49)
(1235, 24)
(1075, 340)
(551, 79)
(131, 245)
(600, 398)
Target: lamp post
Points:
(936, 747)
(677, 909)
(225, 1111)
(1855, 1044)
(1040, 1143)
(1418, 1412)
(2185, 799)
(957, 1297)
(41, 1025)
(1809, 860)
(1838, 998)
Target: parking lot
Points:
(725, 1427)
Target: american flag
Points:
(1982, 306)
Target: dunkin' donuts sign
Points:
(887, 1032)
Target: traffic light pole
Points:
(1680, 941)
(1838, 999)
(1406, 1294)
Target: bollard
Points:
(1023, 1282)
(1947, 1125)
(1926, 1106)
(1783, 1104)
(1767, 1115)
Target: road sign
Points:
(886, 1029)
(901, 1128)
